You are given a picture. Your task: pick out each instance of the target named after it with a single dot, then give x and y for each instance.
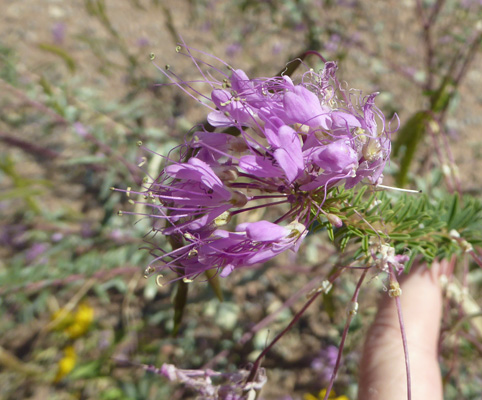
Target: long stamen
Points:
(398, 189)
(258, 206)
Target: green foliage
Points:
(417, 225)
(58, 51)
(407, 141)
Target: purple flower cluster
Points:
(250, 185)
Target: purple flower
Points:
(34, 252)
(58, 33)
(288, 154)
(293, 143)
(325, 362)
(302, 106)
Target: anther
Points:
(139, 143)
(152, 56)
(148, 271)
(192, 253)
(178, 49)
(143, 161)
(188, 236)
(223, 219)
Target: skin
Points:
(382, 368)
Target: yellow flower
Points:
(73, 324)
(321, 396)
(82, 321)
(66, 363)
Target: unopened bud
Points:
(238, 199)
(334, 220)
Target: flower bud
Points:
(334, 220)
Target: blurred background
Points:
(78, 91)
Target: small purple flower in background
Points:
(57, 237)
(325, 362)
(58, 33)
(142, 42)
(233, 49)
(14, 236)
(277, 48)
(333, 43)
(278, 149)
(34, 252)
(80, 129)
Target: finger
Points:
(382, 369)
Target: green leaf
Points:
(399, 236)
(87, 370)
(453, 210)
(359, 196)
(331, 235)
(344, 241)
(86, 160)
(403, 212)
(365, 243)
(356, 231)
(58, 51)
(20, 192)
(440, 99)
(408, 139)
